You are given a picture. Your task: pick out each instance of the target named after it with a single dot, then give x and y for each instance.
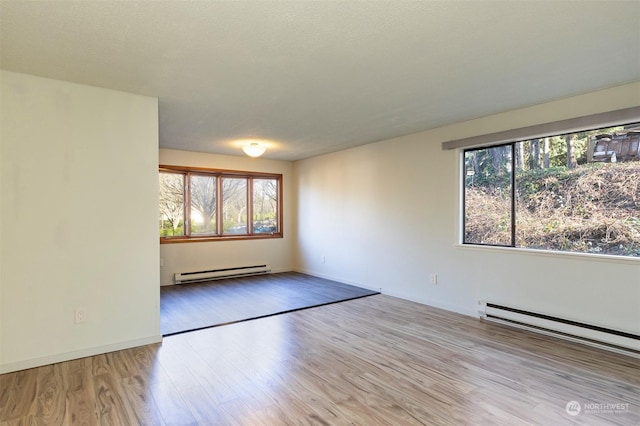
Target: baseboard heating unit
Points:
(606, 338)
(216, 274)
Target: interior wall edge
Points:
(339, 279)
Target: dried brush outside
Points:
(594, 208)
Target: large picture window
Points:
(204, 204)
(576, 192)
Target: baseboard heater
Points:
(216, 274)
(606, 338)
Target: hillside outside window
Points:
(575, 192)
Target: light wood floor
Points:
(371, 361)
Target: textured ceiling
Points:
(315, 77)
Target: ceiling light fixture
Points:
(254, 149)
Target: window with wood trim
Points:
(576, 192)
(198, 204)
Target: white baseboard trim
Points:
(82, 353)
(400, 295)
(337, 279)
(435, 304)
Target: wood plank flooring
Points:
(191, 307)
(372, 361)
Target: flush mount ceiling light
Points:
(254, 149)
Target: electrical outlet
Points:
(324, 259)
(434, 279)
(81, 315)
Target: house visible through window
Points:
(577, 192)
(203, 204)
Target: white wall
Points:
(180, 257)
(386, 216)
(1, 217)
(77, 220)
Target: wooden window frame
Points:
(187, 172)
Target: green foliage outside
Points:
(166, 230)
(204, 204)
(563, 202)
(594, 208)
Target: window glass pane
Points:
(171, 204)
(265, 206)
(579, 192)
(203, 204)
(234, 205)
(487, 196)
(217, 204)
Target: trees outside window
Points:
(488, 187)
(171, 204)
(265, 206)
(219, 203)
(202, 191)
(234, 205)
(577, 192)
